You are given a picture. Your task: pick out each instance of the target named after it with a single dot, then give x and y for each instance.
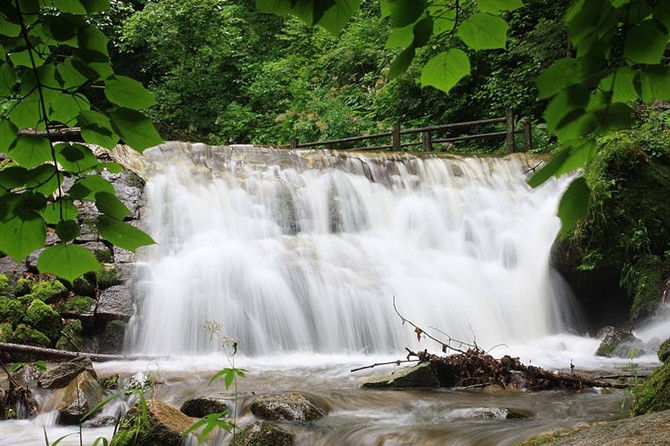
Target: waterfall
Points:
(305, 251)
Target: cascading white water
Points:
(305, 251)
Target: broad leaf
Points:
(559, 75)
(12, 177)
(8, 135)
(67, 230)
(400, 37)
(445, 70)
(76, 158)
(44, 179)
(135, 129)
(655, 83)
(122, 234)
(330, 14)
(109, 204)
(401, 62)
(574, 205)
(498, 6)
(645, 43)
(483, 31)
(67, 261)
(22, 234)
(86, 188)
(422, 32)
(66, 109)
(7, 79)
(61, 209)
(96, 128)
(127, 92)
(404, 12)
(31, 151)
(621, 84)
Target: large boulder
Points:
(78, 398)
(115, 303)
(66, 372)
(202, 406)
(286, 407)
(263, 433)
(416, 377)
(161, 424)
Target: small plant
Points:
(229, 376)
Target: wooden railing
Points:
(427, 139)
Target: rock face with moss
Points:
(617, 260)
(654, 394)
(155, 423)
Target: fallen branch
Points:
(377, 364)
(51, 353)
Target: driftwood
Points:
(51, 353)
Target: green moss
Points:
(47, 290)
(654, 394)
(23, 286)
(4, 285)
(73, 341)
(41, 316)
(10, 310)
(29, 336)
(103, 255)
(107, 277)
(84, 286)
(78, 305)
(6, 331)
(664, 351)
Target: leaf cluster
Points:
(51, 60)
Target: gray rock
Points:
(164, 425)
(78, 398)
(263, 433)
(9, 266)
(112, 337)
(123, 256)
(115, 303)
(618, 343)
(62, 375)
(202, 406)
(419, 376)
(500, 413)
(286, 407)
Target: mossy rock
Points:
(160, 424)
(664, 351)
(654, 394)
(6, 331)
(47, 290)
(29, 336)
(4, 285)
(73, 342)
(23, 286)
(263, 433)
(107, 277)
(11, 310)
(84, 285)
(41, 316)
(78, 305)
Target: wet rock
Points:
(286, 407)
(99, 250)
(417, 377)
(10, 266)
(202, 406)
(396, 440)
(103, 421)
(500, 413)
(263, 433)
(654, 394)
(163, 425)
(78, 398)
(618, 343)
(64, 373)
(115, 303)
(111, 340)
(110, 382)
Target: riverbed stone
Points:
(286, 407)
(618, 343)
(263, 433)
(163, 425)
(202, 406)
(417, 377)
(78, 398)
(63, 374)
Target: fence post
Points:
(294, 143)
(527, 135)
(509, 124)
(395, 143)
(427, 142)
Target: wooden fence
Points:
(427, 139)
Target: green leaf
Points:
(67, 261)
(559, 75)
(498, 6)
(69, 77)
(96, 128)
(655, 83)
(645, 43)
(404, 12)
(44, 179)
(621, 83)
(67, 230)
(444, 19)
(423, 30)
(8, 135)
(400, 37)
(109, 204)
(60, 28)
(661, 13)
(127, 92)
(93, 6)
(135, 129)
(76, 158)
(12, 177)
(31, 150)
(7, 79)
(483, 31)
(445, 70)
(122, 234)
(60, 209)
(330, 14)
(22, 234)
(65, 109)
(70, 6)
(574, 205)
(26, 114)
(549, 169)
(401, 62)
(86, 188)
(111, 167)
(614, 116)
(91, 39)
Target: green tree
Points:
(53, 61)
